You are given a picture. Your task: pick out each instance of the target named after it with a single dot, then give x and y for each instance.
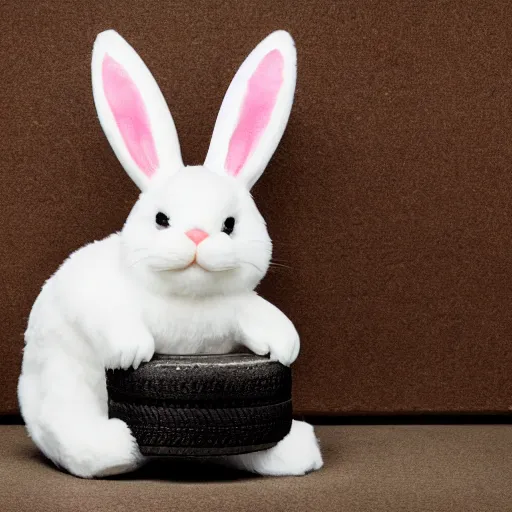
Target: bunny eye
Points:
(229, 225)
(162, 220)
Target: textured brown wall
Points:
(389, 196)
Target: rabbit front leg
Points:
(267, 330)
(107, 313)
(126, 343)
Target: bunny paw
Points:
(128, 347)
(297, 454)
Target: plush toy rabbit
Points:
(178, 278)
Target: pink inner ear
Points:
(258, 104)
(127, 105)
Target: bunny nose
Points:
(196, 235)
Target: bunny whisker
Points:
(280, 265)
(253, 265)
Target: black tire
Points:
(203, 405)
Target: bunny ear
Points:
(132, 111)
(255, 110)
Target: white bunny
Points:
(180, 276)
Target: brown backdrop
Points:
(389, 197)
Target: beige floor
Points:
(367, 468)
